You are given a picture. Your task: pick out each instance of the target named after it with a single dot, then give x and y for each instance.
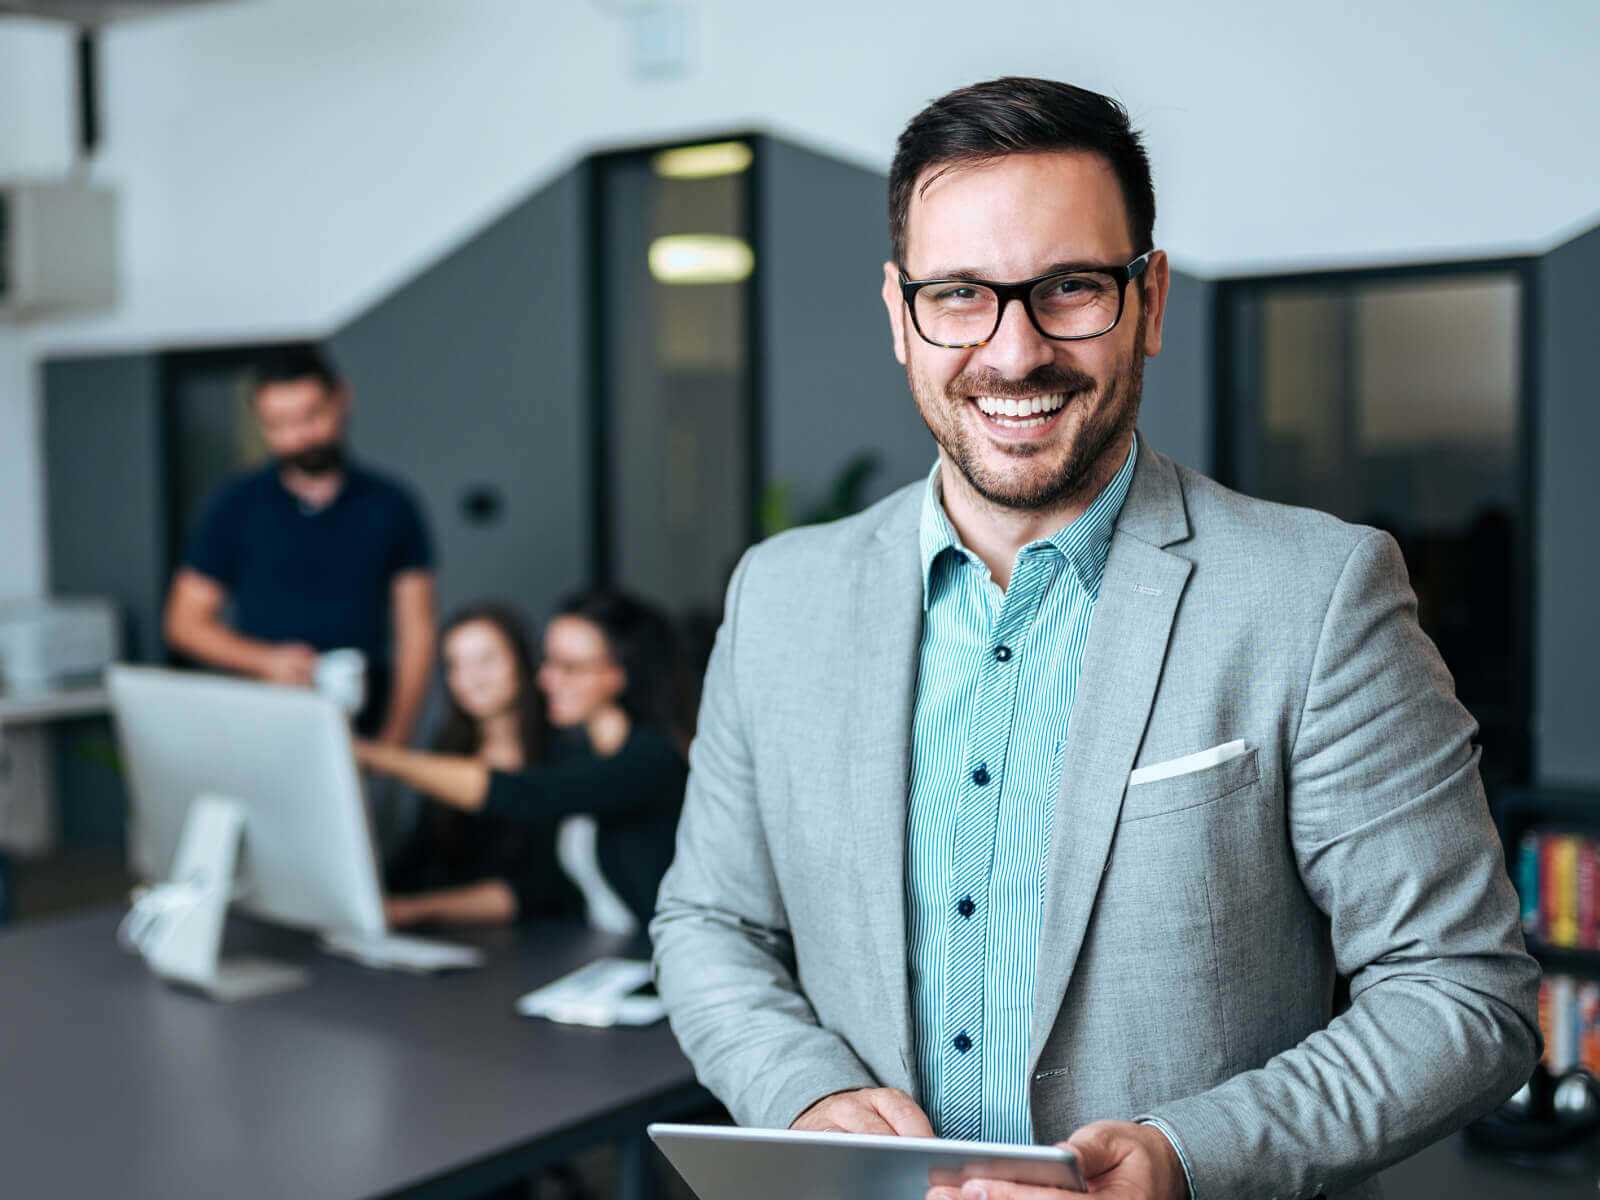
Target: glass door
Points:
(676, 408)
(1399, 399)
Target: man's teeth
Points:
(1024, 412)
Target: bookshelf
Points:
(1552, 845)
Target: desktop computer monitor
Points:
(284, 755)
(292, 827)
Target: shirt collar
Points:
(1084, 543)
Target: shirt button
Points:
(1002, 654)
(962, 1042)
(966, 908)
(980, 776)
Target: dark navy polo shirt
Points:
(319, 576)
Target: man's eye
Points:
(956, 295)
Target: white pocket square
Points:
(1198, 761)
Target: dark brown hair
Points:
(292, 362)
(461, 732)
(644, 643)
(1016, 115)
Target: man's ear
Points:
(1153, 287)
(895, 303)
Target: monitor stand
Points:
(179, 931)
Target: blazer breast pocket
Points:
(1190, 789)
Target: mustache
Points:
(1047, 378)
(318, 460)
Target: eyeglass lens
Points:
(1077, 304)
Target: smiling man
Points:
(1052, 798)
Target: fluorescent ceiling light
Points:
(701, 258)
(701, 162)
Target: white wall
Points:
(35, 139)
(21, 503)
(282, 163)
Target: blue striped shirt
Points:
(997, 678)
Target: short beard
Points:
(1113, 413)
(317, 460)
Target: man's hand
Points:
(866, 1110)
(290, 662)
(1120, 1160)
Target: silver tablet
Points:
(724, 1163)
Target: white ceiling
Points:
(283, 163)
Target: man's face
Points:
(302, 422)
(1007, 220)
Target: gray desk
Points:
(362, 1084)
(370, 1084)
(1450, 1170)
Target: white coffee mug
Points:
(342, 677)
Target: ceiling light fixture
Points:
(701, 258)
(704, 161)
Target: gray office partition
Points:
(106, 504)
(105, 487)
(1177, 414)
(1567, 564)
(833, 389)
(470, 385)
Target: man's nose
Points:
(1017, 347)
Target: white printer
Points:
(42, 641)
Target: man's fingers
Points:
(869, 1121)
(1098, 1147)
(905, 1117)
(855, 1113)
(999, 1189)
(885, 1111)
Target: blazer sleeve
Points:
(1393, 841)
(724, 957)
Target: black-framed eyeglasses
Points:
(1067, 306)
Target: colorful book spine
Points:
(1589, 1026)
(1528, 883)
(1586, 895)
(1569, 1019)
(1564, 921)
(1547, 885)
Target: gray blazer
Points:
(1194, 925)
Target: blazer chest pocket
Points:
(1191, 789)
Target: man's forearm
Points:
(405, 697)
(1399, 1070)
(740, 1016)
(211, 642)
(415, 632)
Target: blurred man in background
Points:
(309, 554)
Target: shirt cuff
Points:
(1188, 1175)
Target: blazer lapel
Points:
(1117, 679)
(888, 635)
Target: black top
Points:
(319, 576)
(635, 796)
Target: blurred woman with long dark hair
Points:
(599, 781)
